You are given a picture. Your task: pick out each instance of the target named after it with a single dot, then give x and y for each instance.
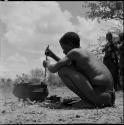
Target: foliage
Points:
(34, 75)
(54, 80)
(5, 82)
(98, 48)
(105, 10)
(37, 75)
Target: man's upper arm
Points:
(64, 61)
(73, 54)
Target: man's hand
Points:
(49, 53)
(46, 63)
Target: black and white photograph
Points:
(61, 62)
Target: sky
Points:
(26, 28)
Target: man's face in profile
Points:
(66, 48)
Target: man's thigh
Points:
(80, 81)
(93, 94)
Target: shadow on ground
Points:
(68, 103)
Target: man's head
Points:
(109, 36)
(69, 40)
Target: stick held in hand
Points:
(46, 59)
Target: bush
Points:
(6, 85)
(54, 80)
(35, 76)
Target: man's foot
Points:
(77, 103)
(70, 101)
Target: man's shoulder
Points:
(78, 51)
(74, 51)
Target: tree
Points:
(2, 82)
(98, 48)
(54, 80)
(105, 10)
(36, 74)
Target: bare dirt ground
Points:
(14, 112)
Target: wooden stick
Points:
(45, 71)
(45, 67)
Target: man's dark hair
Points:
(70, 38)
(109, 36)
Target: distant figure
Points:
(111, 59)
(82, 72)
(121, 62)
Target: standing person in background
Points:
(121, 62)
(111, 59)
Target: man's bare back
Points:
(94, 70)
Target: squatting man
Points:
(82, 72)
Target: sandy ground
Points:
(14, 112)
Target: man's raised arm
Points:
(62, 62)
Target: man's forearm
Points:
(56, 58)
(55, 67)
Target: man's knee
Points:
(63, 71)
